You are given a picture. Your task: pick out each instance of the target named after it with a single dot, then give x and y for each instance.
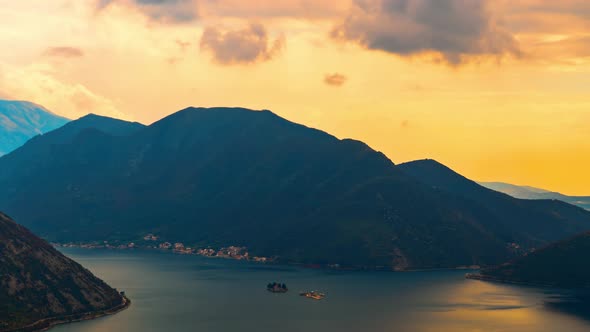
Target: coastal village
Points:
(155, 242)
(151, 241)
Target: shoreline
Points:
(480, 277)
(46, 324)
(278, 262)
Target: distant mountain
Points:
(21, 120)
(526, 192)
(563, 264)
(40, 285)
(230, 176)
(529, 223)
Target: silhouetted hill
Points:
(21, 120)
(107, 125)
(563, 264)
(37, 282)
(231, 176)
(529, 223)
(41, 150)
(526, 192)
(110, 126)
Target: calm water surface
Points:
(189, 293)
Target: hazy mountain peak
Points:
(527, 192)
(508, 188)
(22, 120)
(26, 104)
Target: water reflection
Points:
(576, 303)
(185, 293)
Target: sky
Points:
(498, 90)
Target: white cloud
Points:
(36, 83)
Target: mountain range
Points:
(40, 287)
(230, 176)
(21, 120)
(526, 192)
(530, 223)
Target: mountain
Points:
(40, 150)
(526, 192)
(39, 286)
(562, 264)
(90, 122)
(21, 120)
(230, 176)
(528, 223)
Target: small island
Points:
(314, 295)
(275, 287)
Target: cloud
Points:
(548, 17)
(36, 83)
(188, 10)
(569, 7)
(168, 11)
(242, 46)
(452, 29)
(260, 9)
(64, 52)
(183, 44)
(335, 79)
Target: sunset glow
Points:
(498, 90)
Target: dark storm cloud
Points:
(173, 11)
(455, 29)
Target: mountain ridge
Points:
(536, 220)
(527, 192)
(230, 176)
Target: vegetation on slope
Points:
(562, 264)
(37, 282)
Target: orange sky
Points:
(498, 90)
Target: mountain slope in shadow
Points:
(37, 282)
(231, 176)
